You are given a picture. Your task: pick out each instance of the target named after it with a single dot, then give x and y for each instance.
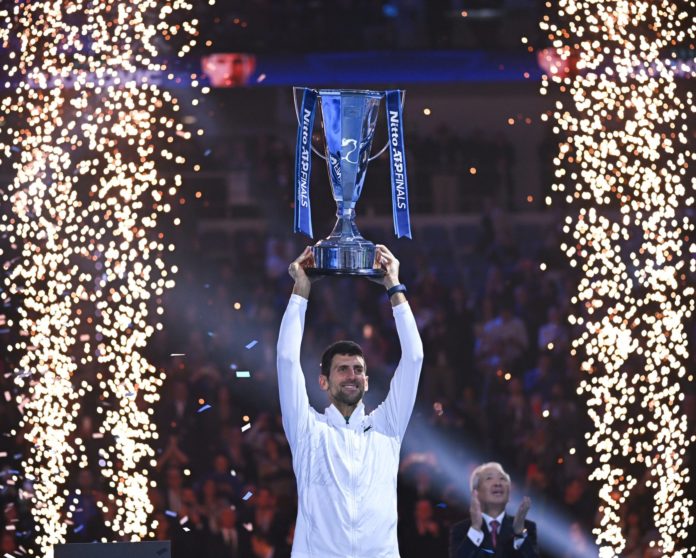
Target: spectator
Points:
(489, 530)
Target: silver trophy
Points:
(349, 120)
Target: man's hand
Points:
(521, 515)
(303, 283)
(475, 511)
(385, 260)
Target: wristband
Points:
(400, 288)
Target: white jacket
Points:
(346, 471)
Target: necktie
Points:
(494, 532)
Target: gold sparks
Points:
(84, 131)
(622, 165)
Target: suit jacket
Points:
(216, 547)
(462, 547)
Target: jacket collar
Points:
(336, 419)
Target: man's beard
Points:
(349, 398)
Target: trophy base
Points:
(373, 272)
(355, 257)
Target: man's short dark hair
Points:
(350, 348)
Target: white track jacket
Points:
(346, 471)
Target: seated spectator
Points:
(422, 535)
(503, 340)
(553, 335)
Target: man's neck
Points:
(493, 511)
(345, 409)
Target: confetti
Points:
(246, 427)
(183, 520)
(170, 513)
(251, 344)
(248, 495)
(243, 374)
(204, 408)
(79, 528)
(177, 354)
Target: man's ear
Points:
(324, 382)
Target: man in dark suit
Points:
(489, 531)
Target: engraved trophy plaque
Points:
(349, 120)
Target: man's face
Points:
(347, 381)
(493, 488)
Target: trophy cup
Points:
(349, 120)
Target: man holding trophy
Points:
(345, 460)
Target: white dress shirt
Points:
(346, 470)
(476, 537)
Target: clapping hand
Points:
(521, 515)
(475, 513)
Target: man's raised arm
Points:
(394, 413)
(294, 403)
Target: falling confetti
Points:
(243, 374)
(251, 344)
(203, 408)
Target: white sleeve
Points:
(294, 403)
(475, 536)
(393, 414)
(518, 541)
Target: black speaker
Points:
(148, 549)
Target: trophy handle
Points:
(297, 114)
(373, 157)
